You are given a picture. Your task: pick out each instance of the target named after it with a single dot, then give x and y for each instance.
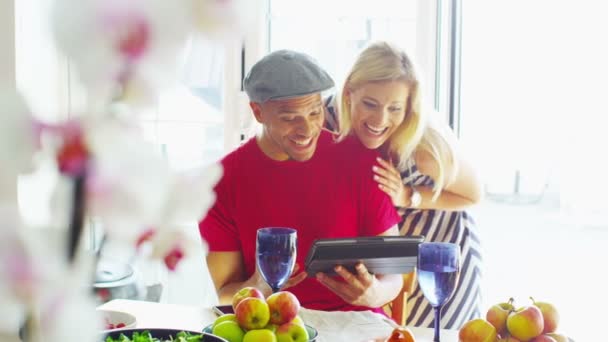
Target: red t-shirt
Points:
(331, 195)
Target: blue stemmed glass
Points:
(438, 273)
(276, 255)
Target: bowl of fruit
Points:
(537, 321)
(256, 318)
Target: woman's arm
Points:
(463, 190)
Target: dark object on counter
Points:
(162, 334)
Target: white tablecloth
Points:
(332, 326)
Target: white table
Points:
(349, 327)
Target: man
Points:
(294, 175)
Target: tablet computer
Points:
(380, 254)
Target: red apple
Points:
(543, 338)
(497, 315)
(291, 332)
(477, 330)
(284, 307)
(245, 292)
(550, 315)
(525, 323)
(252, 313)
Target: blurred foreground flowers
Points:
(124, 52)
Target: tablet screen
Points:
(380, 254)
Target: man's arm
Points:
(228, 274)
(363, 288)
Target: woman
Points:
(423, 173)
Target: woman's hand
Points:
(356, 289)
(389, 181)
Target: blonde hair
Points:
(381, 62)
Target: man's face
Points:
(291, 127)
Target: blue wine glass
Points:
(276, 255)
(438, 273)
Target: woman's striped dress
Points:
(444, 226)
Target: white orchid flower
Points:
(129, 180)
(190, 196)
(114, 41)
(19, 275)
(17, 139)
(35, 277)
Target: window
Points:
(188, 122)
(334, 32)
(533, 117)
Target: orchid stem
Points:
(77, 217)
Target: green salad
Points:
(145, 336)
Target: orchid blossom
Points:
(123, 51)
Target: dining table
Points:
(332, 326)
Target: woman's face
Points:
(377, 109)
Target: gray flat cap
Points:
(285, 74)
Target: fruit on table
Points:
(401, 334)
(230, 330)
(291, 332)
(245, 292)
(283, 306)
(260, 335)
(497, 315)
(477, 330)
(252, 318)
(550, 315)
(253, 313)
(525, 323)
(535, 323)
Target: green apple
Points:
(550, 316)
(260, 335)
(291, 332)
(252, 313)
(477, 330)
(223, 318)
(298, 320)
(497, 315)
(230, 330)
(525, 323)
